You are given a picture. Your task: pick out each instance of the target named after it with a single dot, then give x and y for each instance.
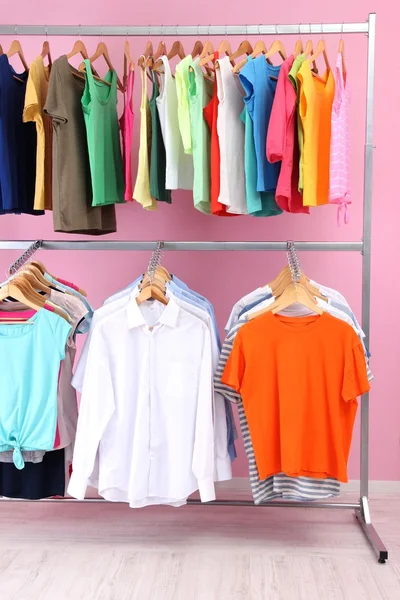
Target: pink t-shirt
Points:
(339, 189)
(126, 126)
(282, 144)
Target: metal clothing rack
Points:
(362, 511)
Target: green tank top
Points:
(158, 159)
(99, 102)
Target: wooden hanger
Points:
(309, 50)
(161, 51)
(16, 48)
(147, 52)
(43, 269)
(46, 52)
(152, 289)
(295, 292)
(298, 49)
(276, 48)
(102, 51)
(1, 50)
(259, 48)
(80, 48)
(176, 50)
(197, 49)
(128, 62)
(224, 48)
(341, 51)
(321, 49)
(244, 48)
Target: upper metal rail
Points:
(180, 30)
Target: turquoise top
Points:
(31, 354)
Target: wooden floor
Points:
(110, 552)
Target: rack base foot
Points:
(373, 538)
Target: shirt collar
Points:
(168, 317)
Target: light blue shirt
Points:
(255, 78)
(31, 354)
(83, 327)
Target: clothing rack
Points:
(362, 511)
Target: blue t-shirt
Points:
(17, 145)
(260, 92)
(31, 354)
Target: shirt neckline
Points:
(17, 330)
(308, 323)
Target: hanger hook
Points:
(300, 30)
(310, 28)
(259, 30)
(16, 31)
(46, 31)
(102, 32)
(322, 30)
(79, 31)
(127, 32)
(341, 35)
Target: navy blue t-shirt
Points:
(17, 144)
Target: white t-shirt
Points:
(179, 166)
(230, 129)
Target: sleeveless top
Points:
(99, 102)
(157, 155)
(179, 166)
(126, 126)
(200, 91)
(231, 139)
(316, 97)
(339, 188)
(141, 193)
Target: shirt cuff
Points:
(223, 468)
(206, 489)
(77, 486)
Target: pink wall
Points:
(226, 276)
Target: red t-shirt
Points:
(211, 114)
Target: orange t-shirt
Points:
(299, 378)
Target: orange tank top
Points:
(316, 98)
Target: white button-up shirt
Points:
(147, 408)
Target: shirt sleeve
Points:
(55, 106)
(355, 380)
(282, 110)
(31, 109)
(247, 79)
(61, 330)
(220, 387)
(203, 451)
(96, 409)
(234, 368)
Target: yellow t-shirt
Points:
(182, 92)
(315, 107)
(35, 99)
(141, 193)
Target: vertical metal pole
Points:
(366, 259)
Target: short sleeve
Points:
(235, 366)
(55, 105)
(61, 330)
(355, 379)
(247, 79)
(31, 109)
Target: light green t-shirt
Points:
(99, 103)
(200, 92)
(182, 91)
(298, 61)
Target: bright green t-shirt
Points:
(99, 103)
(298, 61)
(200, 92)
(182, 92)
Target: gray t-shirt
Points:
(72, 190)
